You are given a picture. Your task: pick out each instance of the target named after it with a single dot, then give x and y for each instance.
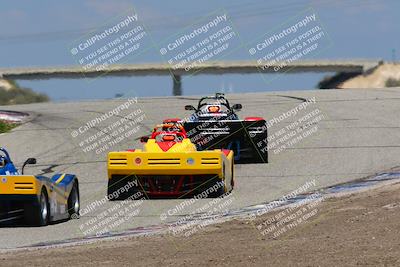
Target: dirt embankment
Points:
(361, 229)
(6, 85)
(11, 94)
(376, 79)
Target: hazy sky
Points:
(42, 33)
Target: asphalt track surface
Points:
(358, 136)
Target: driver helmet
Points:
(2, 162)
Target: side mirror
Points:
(189, 107)
(144, 139)
(237, 107)
(29, 161)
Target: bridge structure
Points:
(356, 66)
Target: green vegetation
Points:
(392, 83)
(5, 127)
(18, 95)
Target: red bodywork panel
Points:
(184, 185)
(226, 151)
(253, 119)
(172, 120)
(165, 146)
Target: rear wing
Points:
(161, 163)
(247, 138)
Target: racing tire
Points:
(115, 184)
(233, 177)
(74, 202)
(220, 189)
(38, 214)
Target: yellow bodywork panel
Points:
(180, 159)
(179, 163)
(19, 185)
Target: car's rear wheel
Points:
(217, 186)
(118, 190)
(74, 202)
(38, 214)
(232, 177)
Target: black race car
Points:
(216, 125)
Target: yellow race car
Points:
(169, 165)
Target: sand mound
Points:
(6, 84)
(376, 79)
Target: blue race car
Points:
(37, 200)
